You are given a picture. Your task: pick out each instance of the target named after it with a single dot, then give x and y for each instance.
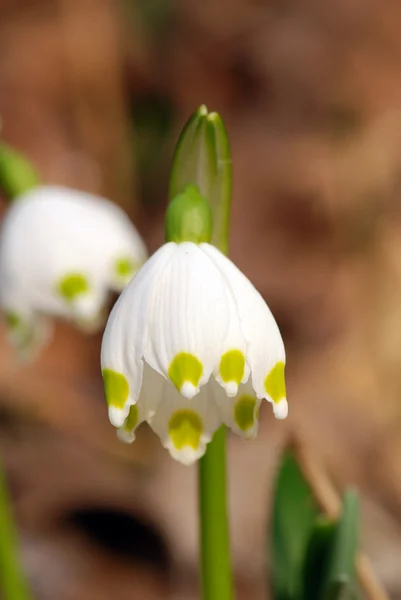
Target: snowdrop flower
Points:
(190, 344)
(61, 252)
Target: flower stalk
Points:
(216, 569)
(204, 348)
(202, 157)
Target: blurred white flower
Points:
(191, 344)
(61, 252)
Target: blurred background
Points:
(95, 92)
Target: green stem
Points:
(12, 582)
(216, 573)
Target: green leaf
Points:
(317, 558)
(202, 157)
(17, 174)
(340, 582)
(294, 515)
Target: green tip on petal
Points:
(189, 217)
(12, 319)
(275, 383)
(21, 331)
(202, 157)
(185, 429)
(244, 412)
(125, 268)
(132, 420)
(185, 372)
(232, 366)
(17, 173)
(116, 388)
(72, 285)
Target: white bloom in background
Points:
(189, 345)
(61, 252)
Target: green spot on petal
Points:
(232, 366)
(275, 383)
(72, 285)
(132, 420)
(125, 267)
(185, 367)
(116, 388)
(185, 429)
(244, 412)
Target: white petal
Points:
(146, 406)
(123, 339)
(265, 348)
(184, 426)
(239, 413)
(188, 319)
(232, 368)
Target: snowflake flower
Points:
(61, 252)
(190, 344)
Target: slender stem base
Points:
(216, 573)
(12, 582)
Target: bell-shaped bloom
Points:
(61, 252)
(190, 344)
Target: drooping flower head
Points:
(190, 344)
(61, 252)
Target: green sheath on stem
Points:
(202, 157)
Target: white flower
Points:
(61, 251)
(191, 344)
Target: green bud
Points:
(202, 157)
(189, 217)
(17, 174)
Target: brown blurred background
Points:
(96, 92)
